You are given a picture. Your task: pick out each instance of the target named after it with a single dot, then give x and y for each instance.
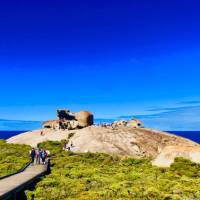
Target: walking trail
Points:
(18, 182)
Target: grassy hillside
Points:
(102, 177)
(12, 157)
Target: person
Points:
(68, 147)
(65, 146)
(32, 154)
(71, 146)
(43, 156)
(46, 154)
(38, 155)
(41, 133)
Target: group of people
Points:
(68, 147)
(38, 156)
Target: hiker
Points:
(32, 154)
(65, 146)
(41, 133)
(46, 155)
(68, 147)
(43, 156)
(71, 145)
(38, 155)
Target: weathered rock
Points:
(70, 124)
(61, 124)
(64, 124)
(65, 115)
(69, 120)
(74, 125)
(84, 118)
(125, 141)
(134, 123)
(53, 124)
(119, 123)
(169, 153)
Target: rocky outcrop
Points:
(133, 123)
(169, 153)
(161, 147)
(35, 137)
(54, 124)
(84, 118)
(65, 115)
(125, 138)
(119, 123)
(69, 120)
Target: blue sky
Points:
(114, 58)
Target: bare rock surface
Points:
(125, 141)
(69, 121)
(35, 137)
(84, 118)
(169, 153)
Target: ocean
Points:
(7, 134)
(192, 135)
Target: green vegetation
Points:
(103, 177)
(12, 157)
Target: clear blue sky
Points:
(112, 57)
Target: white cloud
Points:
(183, 118)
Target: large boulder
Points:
(135, 123)
(119, 123)
(84, 118)
(52, 124)
(70, 124)
(69, 120)
(65, 115)
(169, 153)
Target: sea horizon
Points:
(191, 135)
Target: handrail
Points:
(13, 192)
(17, 172)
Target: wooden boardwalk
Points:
(10, 186)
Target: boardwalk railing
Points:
(11, 185)
(16, 172)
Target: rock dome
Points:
(84, 118)
(135, 123)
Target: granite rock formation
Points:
(161, 147)
(69, 120)
(133, 123)
(65, 115)
(124, 138)
(84, 118)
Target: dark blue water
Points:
(192, 135)
(8, 134)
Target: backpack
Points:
(43, 154)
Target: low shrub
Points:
(98, 176)
(12, 157)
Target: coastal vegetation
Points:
(12, 157)
(97, 176)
